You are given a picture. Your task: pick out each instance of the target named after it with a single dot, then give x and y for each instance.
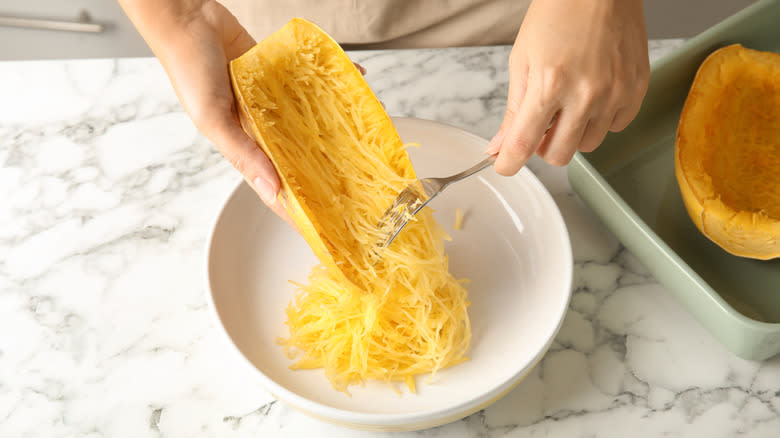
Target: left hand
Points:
(579, 68)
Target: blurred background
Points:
(108, 33)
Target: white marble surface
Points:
(106, 195)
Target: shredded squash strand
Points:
(341, 160)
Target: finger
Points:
(594, 134)
(524, 134)
(623, 117)
(360, 68)
(217, 118)
(236, 40)
(278, 208)
(518, 84)
(626, 113)
(240, 44)
(560, 144)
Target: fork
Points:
(416, 196)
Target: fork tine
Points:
(390, 223)
(402, 201)
(412, 199)
(404, 197)
(395, 218)
(393, 232)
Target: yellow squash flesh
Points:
(341, 164)
(727, 151)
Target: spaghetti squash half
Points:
(341, 164)
(727, 151)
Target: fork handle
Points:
(473, 169)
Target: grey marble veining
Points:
(107, 193)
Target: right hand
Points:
(578, 69)
(194, 41)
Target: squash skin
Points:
(727, 151)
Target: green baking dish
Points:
(629, 182)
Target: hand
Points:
(578, 69)
(194, 41)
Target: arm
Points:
(194, 40)
(579, 68)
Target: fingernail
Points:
(266, 190)
(495, 143)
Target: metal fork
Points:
(416, 196)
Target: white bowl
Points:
(513, 246)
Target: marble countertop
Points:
(107, 193)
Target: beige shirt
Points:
(391, 23)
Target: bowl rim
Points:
(428, 416)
